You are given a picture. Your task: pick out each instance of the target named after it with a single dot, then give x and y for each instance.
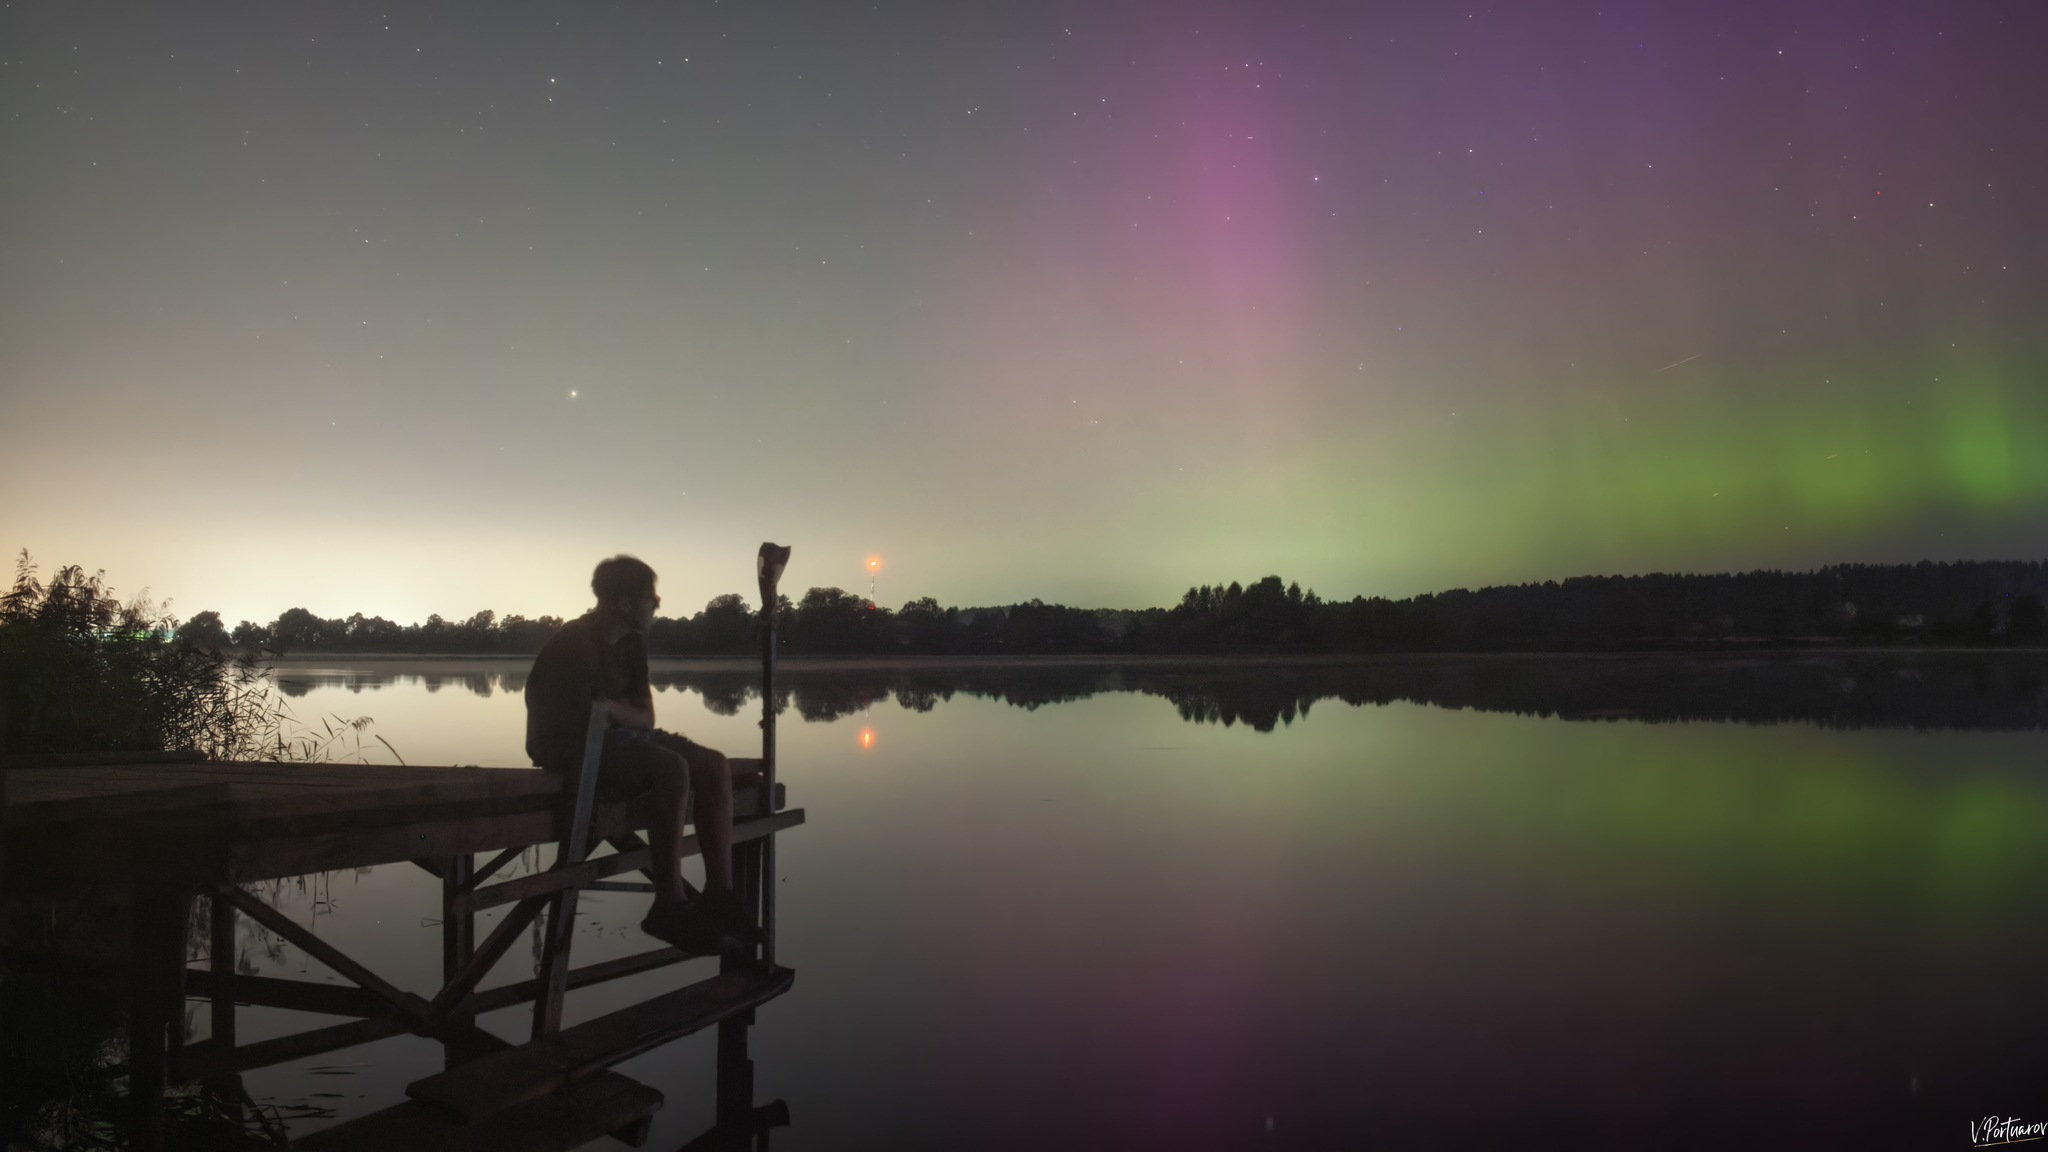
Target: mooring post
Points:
(768, 565)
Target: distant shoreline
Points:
(856, 659)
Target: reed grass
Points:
(82, 671)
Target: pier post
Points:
(768, 565)
(221, 959)
(155, 1005)
(458, 935)
(3, 826)
(735, 1074)
(458, 927)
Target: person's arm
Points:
(635, 707)
(628, 714)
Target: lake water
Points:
(1450, 903)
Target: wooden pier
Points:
(156, 835)
(163, 835)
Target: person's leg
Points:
(670, 777)
(710, 786)
(681, 772)
(648, 768)
(711, 777)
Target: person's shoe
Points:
(732, 918)
(689, 928)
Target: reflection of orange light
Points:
(867, 737)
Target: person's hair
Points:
(621, 577)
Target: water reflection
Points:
(1922, 690)
(1201, 906)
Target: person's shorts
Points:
(623, 776)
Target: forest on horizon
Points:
(1928, 603)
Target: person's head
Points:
(625, 591)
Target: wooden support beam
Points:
(487, 956)
(507, 995)
(627, 842)
(207, 1060)
(561, 926)
(270, 992)
(488, 870)
(430, 867)
(552, 880)
(407, 1003)
(220, 953)
(636, 860)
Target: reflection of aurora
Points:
(1740, 928)
(1965, 691)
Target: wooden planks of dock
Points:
(496, 1083)
(162, 828)
(263, 820)
(608, 1104)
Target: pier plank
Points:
(247, 793)
(497, 1083)
(600, 1105)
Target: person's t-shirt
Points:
(572, 669)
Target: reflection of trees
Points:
(1837, 690)
(1959, 690)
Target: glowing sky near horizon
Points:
(423, 310)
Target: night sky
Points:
(411, 310)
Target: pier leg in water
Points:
(155, 1006)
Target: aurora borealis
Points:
(1086, 302)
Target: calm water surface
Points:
(1040, 908)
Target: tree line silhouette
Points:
(1967, 603)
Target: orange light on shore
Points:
(867, 737)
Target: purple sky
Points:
(410, 311)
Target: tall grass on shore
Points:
(81, 671)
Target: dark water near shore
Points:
(1590, 902)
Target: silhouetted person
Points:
(602, 655)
